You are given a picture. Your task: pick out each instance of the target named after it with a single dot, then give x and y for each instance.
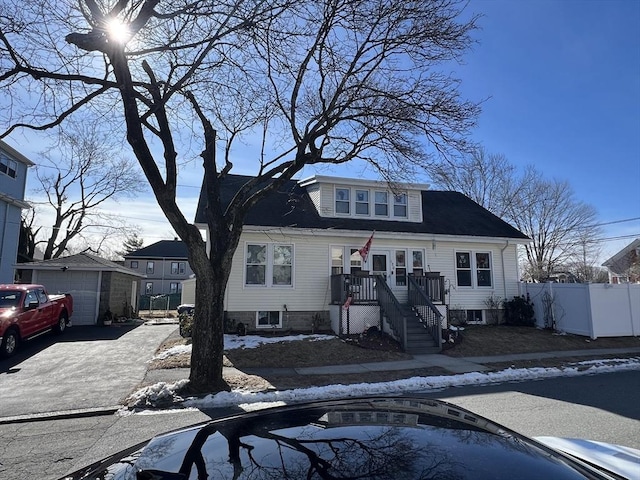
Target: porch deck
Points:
(416, 323)
(362, 288)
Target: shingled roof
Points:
(162, 249)
(79, 261)
(445, 213)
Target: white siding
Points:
(441, 258)
(327, 206)
(414, 208)
(325, 201)
(311, 289)
(314, 194)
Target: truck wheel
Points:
(61, 326)
(9, 343)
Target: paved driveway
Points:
(87, 367)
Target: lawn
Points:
(477, 340)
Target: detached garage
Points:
(95, 283)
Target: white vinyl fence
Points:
(592, 309)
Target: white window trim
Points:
(376, 203)
(356, 202)
(348, 202)
(278, 325)
(405, 204)
(269, 266)
(490, 270)
(410, 264)
(474, 269)
(391, 203)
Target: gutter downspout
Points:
(97, 312)
(504, 275)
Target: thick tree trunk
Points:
(208, 334)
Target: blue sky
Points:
(561, 81)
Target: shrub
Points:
(186, 324)
(519, 311)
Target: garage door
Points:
(83, 286)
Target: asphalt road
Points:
(86, 367)
(603, 407)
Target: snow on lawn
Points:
(250, 400)
(232, 342)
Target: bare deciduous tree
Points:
(557, 223)
(313, 82)
(76, 177)
(562, 229)
(488, 179)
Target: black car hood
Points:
(372, 438)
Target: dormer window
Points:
(342, 201)
(362, 202)
(381, 205)
(359, 202)
(400, 205)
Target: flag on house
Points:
(347, 303)
(364, 251)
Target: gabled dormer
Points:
(336, 197)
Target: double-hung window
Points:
(400, 205)
(463, 269)
(337, 262)
(483, 269)
(362, 202)
(269, 265)
(343, 201)
(177, 268)
(381, 204)
(150, 267)
(473, 267)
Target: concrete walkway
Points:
(452, 365)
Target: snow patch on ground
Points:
(232, 342)
(166, 392)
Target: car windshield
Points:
(9, 299)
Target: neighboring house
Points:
(562, 277)
(13, 180)
(95, 283)
(624, 266)
(300, 257)
(164, 265)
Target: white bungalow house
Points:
(301, 264)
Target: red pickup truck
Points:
(27, 311)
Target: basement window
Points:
(269, 319)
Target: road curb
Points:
(61, 415)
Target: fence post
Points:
(633, 327)
(590, 311)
